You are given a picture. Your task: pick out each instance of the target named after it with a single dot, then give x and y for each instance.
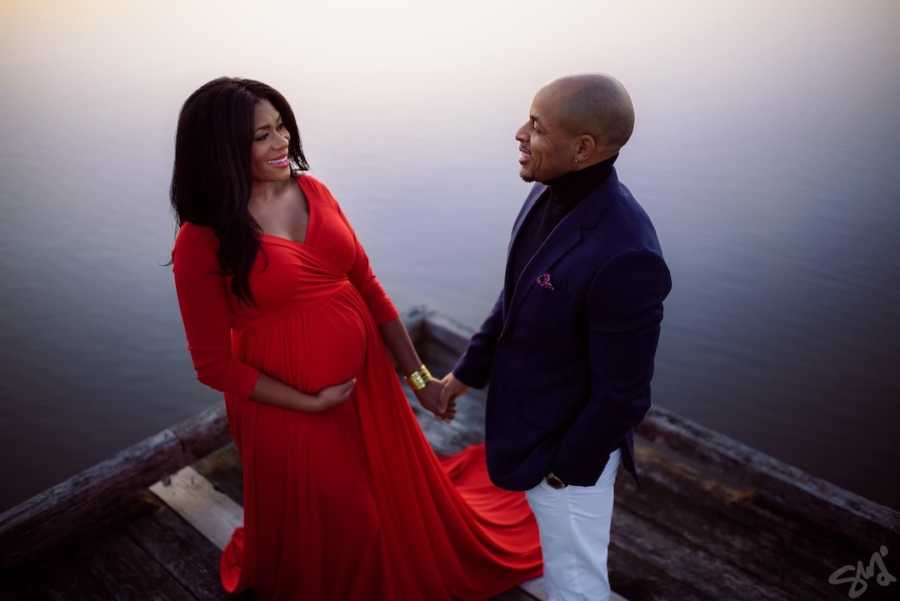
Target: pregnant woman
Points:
(343, 496)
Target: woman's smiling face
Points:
(269, 152)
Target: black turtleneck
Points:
(561, 196)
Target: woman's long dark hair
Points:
(211, 178)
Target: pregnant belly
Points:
(310, 346)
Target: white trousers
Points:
(574, 524)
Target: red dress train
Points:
(350, 503)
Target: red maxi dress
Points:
(350, 503)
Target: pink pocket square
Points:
(544, 281)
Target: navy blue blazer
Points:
(569, 346)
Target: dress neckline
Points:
(309, 218)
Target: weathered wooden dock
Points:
(713, 520)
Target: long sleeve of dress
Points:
(362, 276)
(206, 314)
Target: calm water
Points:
(767, 151)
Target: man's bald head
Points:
(574, 122)
(594, 104)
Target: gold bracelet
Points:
(419, 379)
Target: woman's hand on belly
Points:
(334, 395)
(271, 391)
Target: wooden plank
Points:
(223, 469)
(119, 569)
(110, 566)
(677, 561)
(752, 537)
(187, 555)
(638, 577)
(104, 493)
(20, 585)
(195, 499)
(797, 493)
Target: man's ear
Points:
(585, 145)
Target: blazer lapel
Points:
(566, 235)
(561, 240)
(509, 281)
(530, 200)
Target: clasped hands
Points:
(439, 396)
